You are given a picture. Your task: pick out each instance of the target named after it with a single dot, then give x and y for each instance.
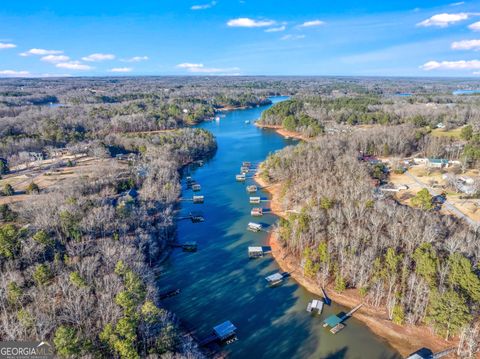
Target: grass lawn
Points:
(440, 132)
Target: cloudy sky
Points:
(239, 37)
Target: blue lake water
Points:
(466, 92)
(220, 283)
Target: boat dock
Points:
(168, 294)
(315, 305)
(225, 332)
(196, 187)
(254, 227)
(335, 322)
(276, 278)
(241, 177)
(257, 212)
(255, 200)
(258, 252)
(198, 199)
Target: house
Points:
(437, 163)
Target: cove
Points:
(220, 283)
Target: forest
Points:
(79, 259)
(418, 264)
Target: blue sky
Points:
(239, 37)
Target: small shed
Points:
(225, 330)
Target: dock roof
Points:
(274, 277)
(333, 320)
(224, 329)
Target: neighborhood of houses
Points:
(454, 191)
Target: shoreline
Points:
(405, 339)
(282, 132)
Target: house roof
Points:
(438, 160)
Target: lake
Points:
(220, 283)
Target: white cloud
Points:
(451, 65)
(201, 69)
(74, 65)
(41, 52)
(292, 37)
(4, 45)
(204, 6)
(312, 23)
(98, 57)
(475, 26)
(121, 69)
(466, 45)
(276, 29)
(247, 22)
(55, 58)
(13, 73)
(136, 59)
(443, 20)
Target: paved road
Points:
(447, 204)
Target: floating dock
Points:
(257, 212)
(315, 305)
(254, 227)
(241, 177)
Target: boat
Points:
(255, 200)
(315, 304)
(252, 188)
(255, 252)
(241, 177)
(246, 164)
(247, 121)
